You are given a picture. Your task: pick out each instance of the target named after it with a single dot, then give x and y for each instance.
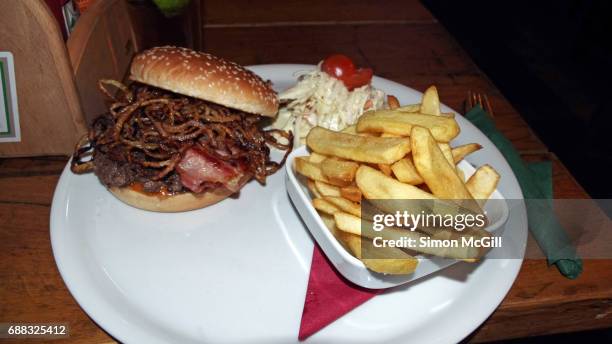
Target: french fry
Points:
(392, 266)
(386, 169)
(377, 150)
(446, 150)
(351, 129)
(330, 223)
(312, 171)
(324, 206)
(440, 176)
(443, 128)
(376, 185)
(448, 154)
(393, 102)
(410, 108)
(430, 104)
(461, 174)
(339, 171)
(351, 192)
(316, 158)
(327, 189)
(483, 183)
(460, 152)
(348, 223)
(308, 169)
(417, 108)
(313, 189)
(389, 135)
(405, 172)
(345, 205)
(351, 241)
(393, 261)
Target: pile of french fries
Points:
(402, 153)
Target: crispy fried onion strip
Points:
(82, 150)
(127, 94)
(151, 128)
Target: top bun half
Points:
(204, 76)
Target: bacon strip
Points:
(197, 169)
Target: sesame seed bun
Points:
(172, 204)
(204, 76)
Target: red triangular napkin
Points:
(329, 296)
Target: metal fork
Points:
(475, 98)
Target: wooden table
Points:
(401, 41)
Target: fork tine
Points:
(469, 101)
(488, 107)
(481, 99)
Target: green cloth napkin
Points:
(536, 182)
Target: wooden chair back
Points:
(101, 46)
(50, 114)
(56, 82)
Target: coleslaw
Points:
(318, 99)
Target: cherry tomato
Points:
(361, 77)
(342, 68)
(338, 66)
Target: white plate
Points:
(237, 271)
(352, 268)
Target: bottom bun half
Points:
(171, 204)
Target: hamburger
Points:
(186, 133)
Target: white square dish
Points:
(352, 268)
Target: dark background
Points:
(553, 61)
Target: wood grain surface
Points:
(101, 46)
(413, 49)
(248, 13)
(49, 109)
